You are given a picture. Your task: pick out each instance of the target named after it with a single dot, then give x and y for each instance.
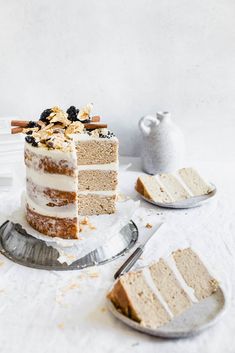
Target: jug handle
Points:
(146, 123)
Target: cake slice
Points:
(195, 273)
(164, 290)
(173, 187)
(195, 182)
(149, 187)
(135, 299)
(170, 289)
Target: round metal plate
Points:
(24, 249)
(198, 318)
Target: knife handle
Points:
(129, 263)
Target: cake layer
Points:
(93, 204)
(97, 180)
(194, 182)
(66, 228)
(149, 187)
(170, 289)
(68, 211)
(53, 181)
(97, 152)
(132, 295)
(195, 273)
(47, 161)
(50, 197)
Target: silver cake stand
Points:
(19, 246)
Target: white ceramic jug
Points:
(163, 144)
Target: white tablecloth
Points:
(48, 311)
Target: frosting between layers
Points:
(53, 181)
(101, 193)
(109, 166)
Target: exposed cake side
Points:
(97, 158)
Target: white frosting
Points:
(180, 180)
(189, 290)
(85, 137)
(58, 212)
(109, 166)
(53, 181)
(54, 154)
(163, 187)
(101, 193)
(149, 280)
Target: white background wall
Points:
(128, 57)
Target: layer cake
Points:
(70, 171)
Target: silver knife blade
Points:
(129, 263)
(142, 245)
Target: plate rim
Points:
(172, 205)
(163, 333)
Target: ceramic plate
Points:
(198, 318)
(194, 201)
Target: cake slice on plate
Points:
(172, 187)
(156, 294)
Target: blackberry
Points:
(35, 144)
(72, 113)
(44, 115)
(29, 132)
(29, 139)
(32, 124)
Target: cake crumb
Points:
(1, 263)
(122, 197)
(148, 225)
(93, 274)
(86, 222)
(61, 325)
(103, 310)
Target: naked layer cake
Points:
(71, 170)
(156, 294)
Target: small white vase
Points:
(163, 144)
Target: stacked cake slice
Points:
(155, 295)
(167, 188)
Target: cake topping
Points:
(72, 113)
(54, 128)
(85, 112)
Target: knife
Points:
(129, 263)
